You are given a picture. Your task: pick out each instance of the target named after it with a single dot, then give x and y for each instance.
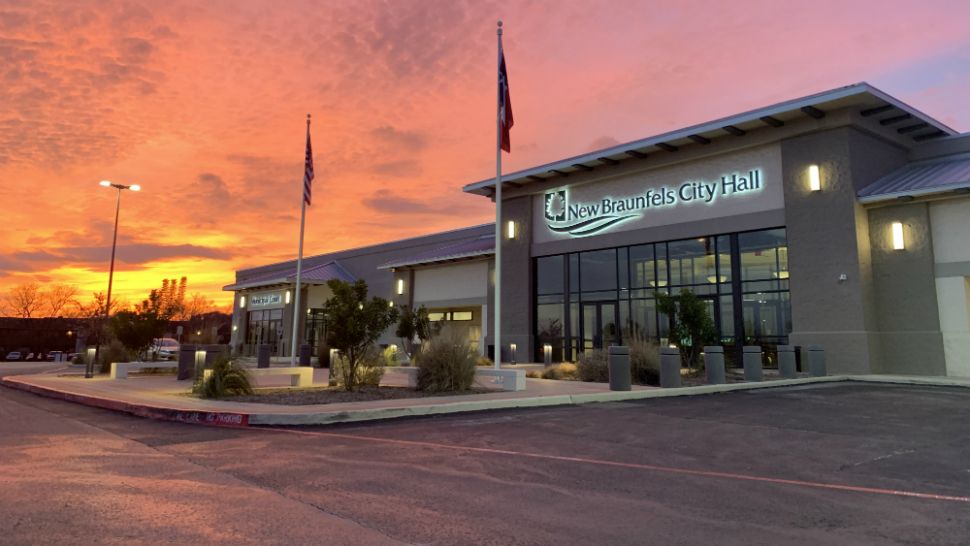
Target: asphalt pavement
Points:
(840, 463)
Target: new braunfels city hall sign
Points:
(579, 219)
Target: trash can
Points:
(262, 355)
(786, 361)
(752, 363)
(186, 362)
(619, 368)
(305, 354)
(816, 361)
(669, 367)
(714, 364)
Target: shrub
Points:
(390, 355)
(484, 361)
(644, 360)
(533, 374)
(114, 351)
(368, 372)
(446, 363)
(592, 366)
(565, 371)
(225, 379)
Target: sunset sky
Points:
(204, 105)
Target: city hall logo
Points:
(589, 218)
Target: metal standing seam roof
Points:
(879, 105)
(317, 274)
(921, 178)
(483, 245)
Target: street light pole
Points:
(89, 370)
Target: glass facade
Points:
(594, 299)
(264, 327)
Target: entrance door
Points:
(599, 325)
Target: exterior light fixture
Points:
(547, 354)
(390, 303)
(242, 302)
(898, 242)
(814, 178)
(512, 348)
(714, 278)
(400, 286)
(511, 230)
(661, 284)
(288, 296)
(234, 327)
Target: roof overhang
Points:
(872, 103)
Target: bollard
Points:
(714, 364)
(752, 363)
(305, 354)
(786, 361)
(619, 368)
(213, 353)
(816, 361)
(669, 367)
(186, 362)
(262, 355)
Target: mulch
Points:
(338, 395)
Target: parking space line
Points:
(635, 466)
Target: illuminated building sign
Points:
(680, 193)
(266, 299)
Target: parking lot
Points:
(843, 463)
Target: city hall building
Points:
(841, 219)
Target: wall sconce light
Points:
(512, 230)
(512, 348)
(898, 242)
(288, 295)
(334, 353)
(400, 286)
(242, 302)
(814, 178)
(547, 354)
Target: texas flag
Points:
(504, 104)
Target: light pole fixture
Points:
(89, 371)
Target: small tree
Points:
(415, 324)
(691, 327)
(354, 323)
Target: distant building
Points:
(838, 219)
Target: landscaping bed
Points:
(339, 395)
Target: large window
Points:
(582, 297)
(264, 326)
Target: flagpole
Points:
(498, 208)
(299, 266)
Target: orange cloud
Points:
(203, 104)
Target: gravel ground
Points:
(336, 395)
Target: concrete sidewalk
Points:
(163, 397)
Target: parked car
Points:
(30, 356)
(13, 355)
(166, 348)
(53, 355)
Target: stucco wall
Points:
(951, 249)
(828, 238)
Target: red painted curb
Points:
(198, 417)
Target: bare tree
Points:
(60, 298)
(197, 304)
(23, 300)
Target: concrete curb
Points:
(211, 418)
(242, 419)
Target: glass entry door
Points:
(599, 325)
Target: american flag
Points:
(504, 104)
(308, 169)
